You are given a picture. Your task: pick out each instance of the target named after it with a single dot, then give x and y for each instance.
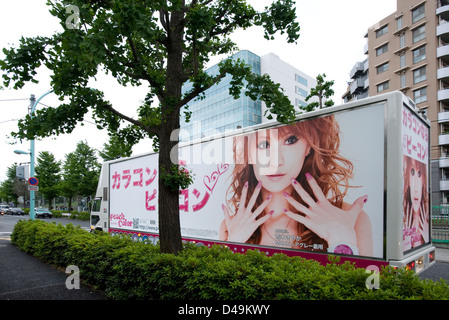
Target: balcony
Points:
(443, 11)
(357, 85)
(443, 117)
(443, 95)
(443, 162)
(443, 31)
(356, 70)
(443, 74)
(443, 139)
(444, 185)
(443, 53)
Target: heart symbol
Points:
(212, 181)
(222, 168)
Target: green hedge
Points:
(124, 269)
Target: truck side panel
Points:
(360, 141)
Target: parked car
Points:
(43, 213)
(3, 208)
(13, 211)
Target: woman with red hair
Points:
(415, 202)
(288, 188)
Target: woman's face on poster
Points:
(277, 157)
(416, 184)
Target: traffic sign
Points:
(33, 188)
(33, 181)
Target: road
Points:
(7, 223)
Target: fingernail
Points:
(269, 197)
(366, 199)
(223, 206)
(308, 176)
(294, 181)
(246, 184)
(259, 184)
(285, 210)
(271, 212)
(286, 194)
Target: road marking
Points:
(5, 236)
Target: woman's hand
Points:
(331, 223)
(424, 224)
(244, 222)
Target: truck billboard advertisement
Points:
(416, 199)
(316, 185)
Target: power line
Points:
(5, 100)
(10, 120)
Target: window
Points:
(300, 103)
(403, 81)
(402, 41)
(419, 75)
(382, 49)
(382, 68)
(382, 31)
(418, 13)
(383, 86)
(419, 54)
(420, 95)
(301, 92)
(402, 61)
(399, 23)
(419, 34)
(301, 79)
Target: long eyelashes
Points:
(290, 140)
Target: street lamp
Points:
(33, 105)
(21, 152)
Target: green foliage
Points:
(157, 44)
(178, 178)
(134, 270)
(49, 176)
(323, 91)
(115, 148)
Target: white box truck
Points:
(349, 180)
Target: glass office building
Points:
(219, 112)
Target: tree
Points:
(69, 183)
(9, 191)
(81, 172)
(157, 43)
(49, 176)
(323, 91)
(115, 148)
(87, 169)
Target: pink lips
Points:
(275, 176)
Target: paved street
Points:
(24, 277)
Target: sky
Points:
(331, 41)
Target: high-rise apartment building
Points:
(409, 51)
(219, 112)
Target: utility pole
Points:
(32, 192)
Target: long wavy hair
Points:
(408, 164)
(324, 163)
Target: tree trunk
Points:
(169, 223)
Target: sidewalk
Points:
(442, 253)
(24, 277)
